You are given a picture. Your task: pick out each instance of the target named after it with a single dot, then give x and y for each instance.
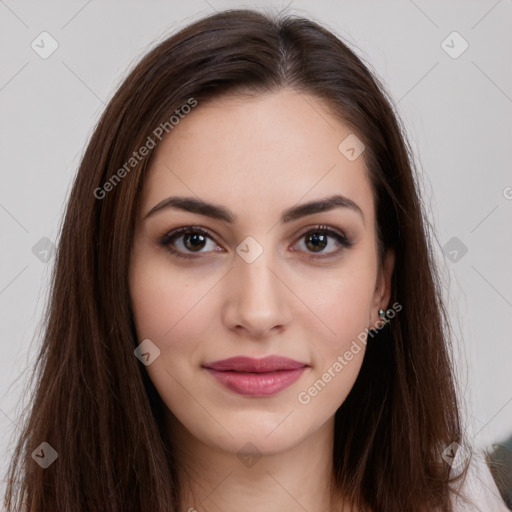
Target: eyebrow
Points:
(195, 205)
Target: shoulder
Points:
(479, 487)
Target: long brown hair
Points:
(93, 402)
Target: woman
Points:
(245, 313)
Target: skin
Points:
(256, 157)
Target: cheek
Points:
(343, 304)
(168, 308)
(174, 313)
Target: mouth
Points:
(256, 377)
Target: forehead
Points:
(257, 155)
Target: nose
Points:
(257, 298)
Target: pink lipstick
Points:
(256, 377)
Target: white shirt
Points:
(479, 486)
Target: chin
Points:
(256, 441)
(258, 430)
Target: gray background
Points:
(457, 113)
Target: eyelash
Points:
(166, 240)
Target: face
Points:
(267, 279)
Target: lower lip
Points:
(257, 384)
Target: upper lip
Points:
(249, 364)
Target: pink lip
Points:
(256, 377)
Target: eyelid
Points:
(322, 227)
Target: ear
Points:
(383, 286)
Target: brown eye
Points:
(187, 240)
(194, 241)
(318, 239)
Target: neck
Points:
(214, 480)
